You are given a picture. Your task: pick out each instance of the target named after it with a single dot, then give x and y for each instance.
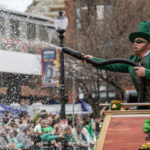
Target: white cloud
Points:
(16, 5)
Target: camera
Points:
(42, 114)
(5, 120)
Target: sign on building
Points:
(22, 63)
(50, 68)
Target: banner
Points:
(15, 111)
(50, 68)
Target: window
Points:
(78, 18)
(108, 92)
(2, 26)
(43, 33)
(100, 12)
(103, 94)
(93, 95)
(111, 94)
(31, 31)
(81, 95)
(109, 11)
(14, 26)
(102, 88)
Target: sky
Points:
(15, 5)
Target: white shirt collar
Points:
(146, 53)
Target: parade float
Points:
(125, 129)
(121, 129)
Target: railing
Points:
(61, 148)
(127, 104)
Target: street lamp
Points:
(61, 23)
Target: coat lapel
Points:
(147, 63)
(131, 70)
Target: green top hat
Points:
(143, 31)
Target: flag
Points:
(50, 68)
(146, 125)
(90, 129)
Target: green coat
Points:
(48, 137)
(125, 68)
(47, 129)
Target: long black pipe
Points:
(80, 56)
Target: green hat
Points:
(142, 32)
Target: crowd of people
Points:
(46, 131)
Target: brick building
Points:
(75, 10)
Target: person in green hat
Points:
(141, 54)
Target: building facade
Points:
(23, 34)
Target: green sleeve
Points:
(48, 137)
(52, 137)
(117, 67)
(19, 145)
(44, 136)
